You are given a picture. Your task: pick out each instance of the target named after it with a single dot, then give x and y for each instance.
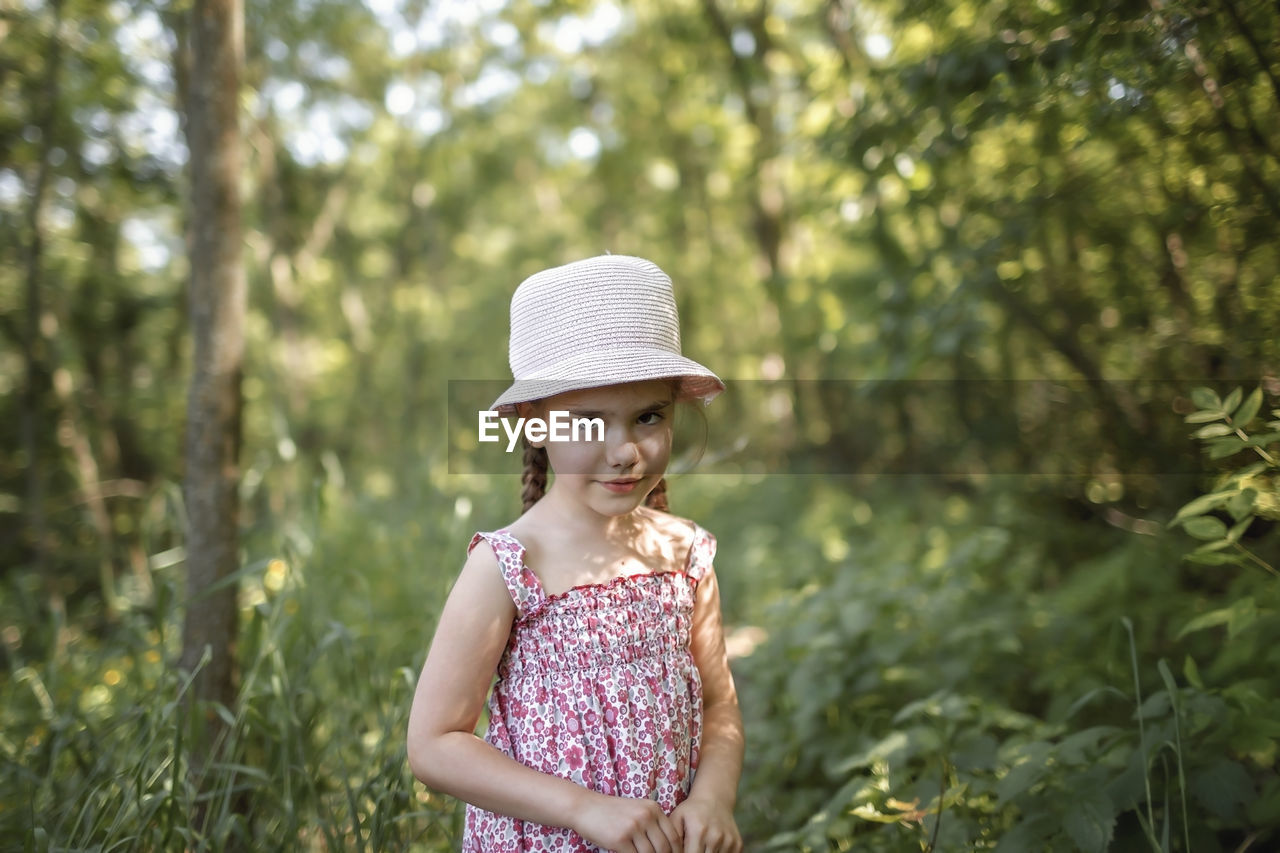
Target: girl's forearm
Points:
(464, 766)
(720, 761)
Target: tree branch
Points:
(1246, 33)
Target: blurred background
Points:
(963, 265)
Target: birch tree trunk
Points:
(217, 307)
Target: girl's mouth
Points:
(621, 486)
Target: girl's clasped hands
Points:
(640, 826)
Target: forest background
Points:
(994, 285)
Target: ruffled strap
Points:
(524, 586)
(702, 553)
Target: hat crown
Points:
(601, 321)
(609, 302)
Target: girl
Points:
(613, 724)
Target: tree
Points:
(217, 310)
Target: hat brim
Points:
(612, 367)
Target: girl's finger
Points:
(673, 833)
(642, 843)
(693, 841)
(658, 838)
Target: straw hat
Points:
(600, 321)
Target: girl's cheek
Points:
(658, 444)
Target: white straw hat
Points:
(600, 321)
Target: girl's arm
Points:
(445, 754)
(706, 817)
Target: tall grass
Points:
(336, 606)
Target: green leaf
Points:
(1206, 620)
(1221, 448)
(1090, 820)
(1263, 440)
(1233, 400)
(1204, 417)
(1212, 559)
(1082, 747)
(1206, 398)
(1241, 503)
(1206, 527)
(1026, 774)
(1243, 614)
(1237, 530)
(1171, 687)
(1238, 617)
(1192, 673)
(1089, 697)
(1223, 788)
(1200, 506)
(1213, 431)
(1155, 705)
(1031, 834)
(1248, 471)
(1019, 779)
(1250, 408)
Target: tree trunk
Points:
(34, 348)
(217, 307)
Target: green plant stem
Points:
(1261, 562)
(1142, 729)
(942, 797)
(1243, 436)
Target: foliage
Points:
(94, 751)
(1245, 494)
(935, 686)
(1005, 237)
(962, 654)
(956, 677)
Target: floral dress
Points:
(597, 685)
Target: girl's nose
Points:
(623, 454)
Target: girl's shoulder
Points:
(670, 541)
(676, 529)
(691, 546)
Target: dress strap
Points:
(702, 553)
(524, 586)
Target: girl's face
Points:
(613, 476)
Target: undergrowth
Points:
(920, 667)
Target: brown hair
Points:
(534, 478)
(534, 481)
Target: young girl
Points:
(613, 724)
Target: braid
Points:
(657, 499)
(534, 477)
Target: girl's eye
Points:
(654, 418)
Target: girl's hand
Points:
(707, 827)
(627, 825)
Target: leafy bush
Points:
(974, 674)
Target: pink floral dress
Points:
(597, 685)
